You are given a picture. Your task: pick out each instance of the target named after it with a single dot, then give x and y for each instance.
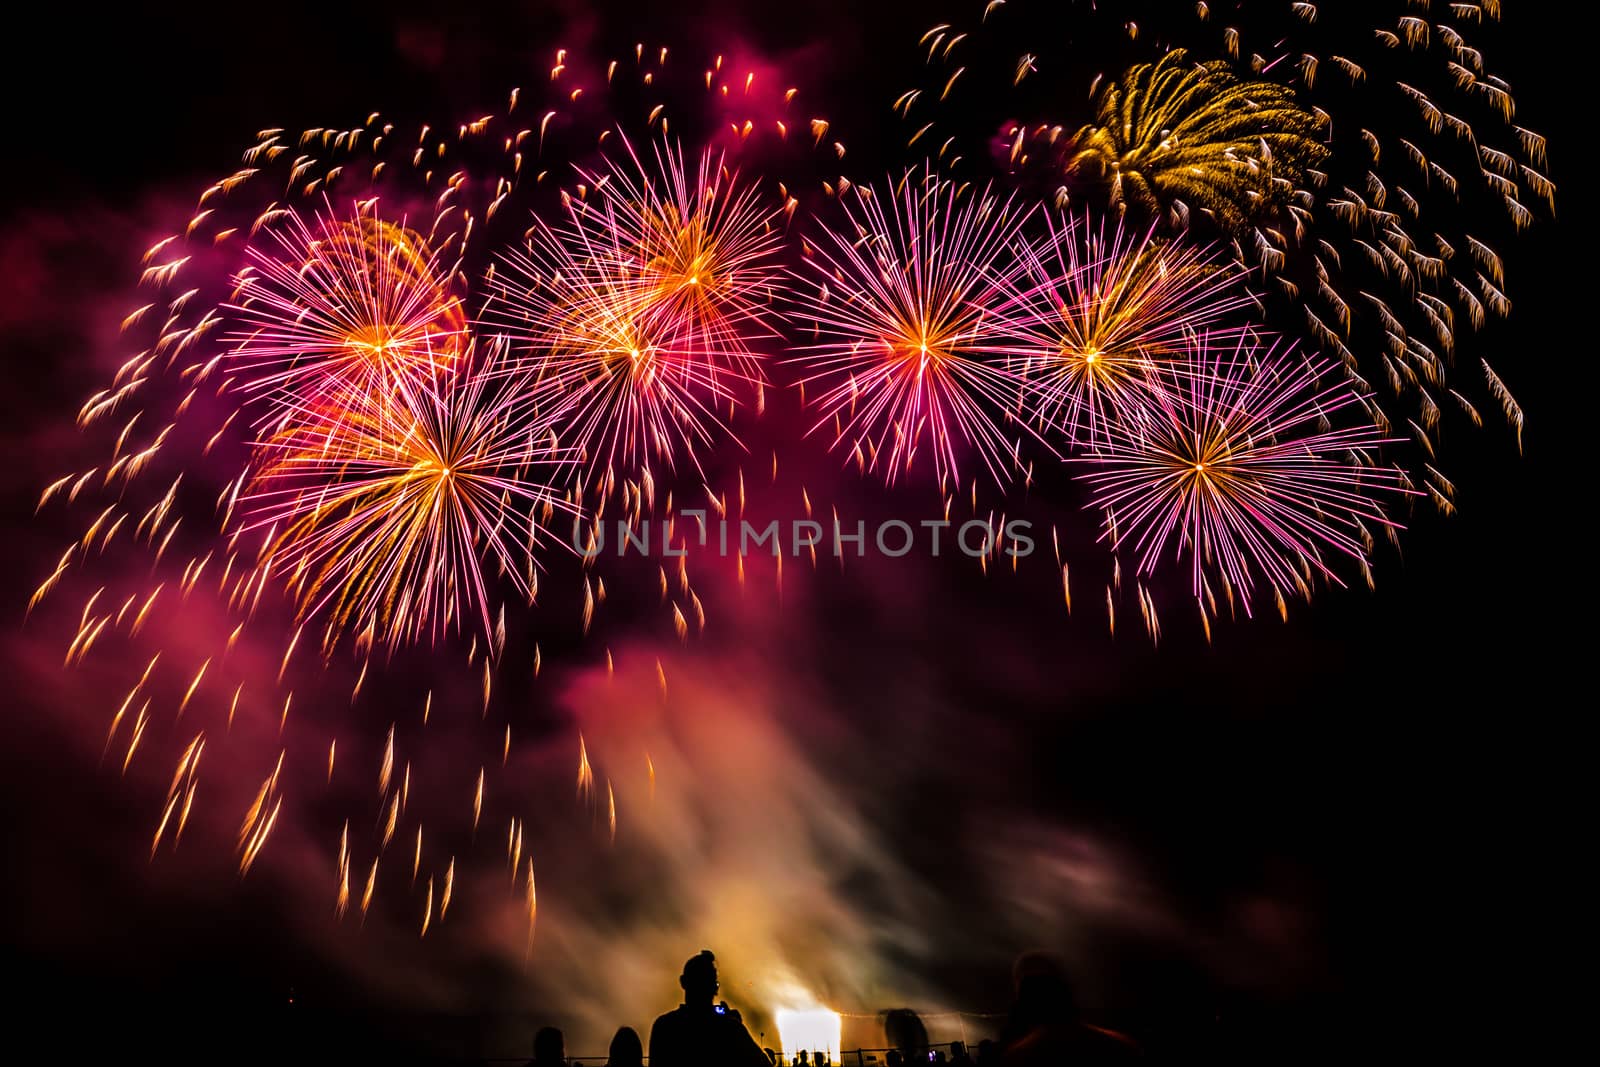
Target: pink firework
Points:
(637, 316)
(907, 328)
(341, 303)
(616, 390)
(1095, 313)
(706, 251)
(1233, 467)
(387, 511)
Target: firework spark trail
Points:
(907, 326)
(1095, 312)
(1234, 470)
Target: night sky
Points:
(1312, 836)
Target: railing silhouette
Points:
(860, 1057)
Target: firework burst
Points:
(308, 442)
(1234, 468)
(1174, 136)
(706, 253)
(1094, 312)
(600, 358)
(637, 314)
(1372, 164)
(341, 303)
(386, 511)
(907, 327)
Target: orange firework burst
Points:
(618, 393)
(383, 511)
(706, 253)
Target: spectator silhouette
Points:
(1044, 1029)
(958, 1055)
(549, 1049)
(894, 1059)
(626, 1049)
(906, 1033)
(698, 1033)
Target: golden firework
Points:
(1174, 137)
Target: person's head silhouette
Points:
(699, 978)
(906, 1032)
(549, 1047)
(626, 1049)
(1043, 993)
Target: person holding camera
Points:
(698, 1033)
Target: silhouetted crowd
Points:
(1043, 1029)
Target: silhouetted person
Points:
(894, 1059)
(1044, 1029)
(988, 1053)
(958, 1055)
(626, 1049)
(549, 1049)
(698, 1033)
(907, 1034)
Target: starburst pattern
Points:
(636, 314)
(706, 250)
(341, 302)
(1097, 311)
(386, 512)
(1237, 470)
(907, 330)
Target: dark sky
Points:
(1373, 792)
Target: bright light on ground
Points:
(816, 1029)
